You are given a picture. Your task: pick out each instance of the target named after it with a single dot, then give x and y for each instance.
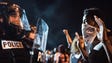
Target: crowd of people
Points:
(93, 46)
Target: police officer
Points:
(13, 47)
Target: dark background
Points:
(63, 14)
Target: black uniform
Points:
(13, 47)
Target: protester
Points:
(98, 46)
(61, 56)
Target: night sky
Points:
(63, 14)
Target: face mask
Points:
(89, 33)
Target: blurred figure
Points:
(61, 56)
(48, 56)
(74, 48)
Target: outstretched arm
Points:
(69, 40)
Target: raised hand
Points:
(80, 40)
(69, 39)
(65, 31)
(101, 27)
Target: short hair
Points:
(61, 48)
(90, 12)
